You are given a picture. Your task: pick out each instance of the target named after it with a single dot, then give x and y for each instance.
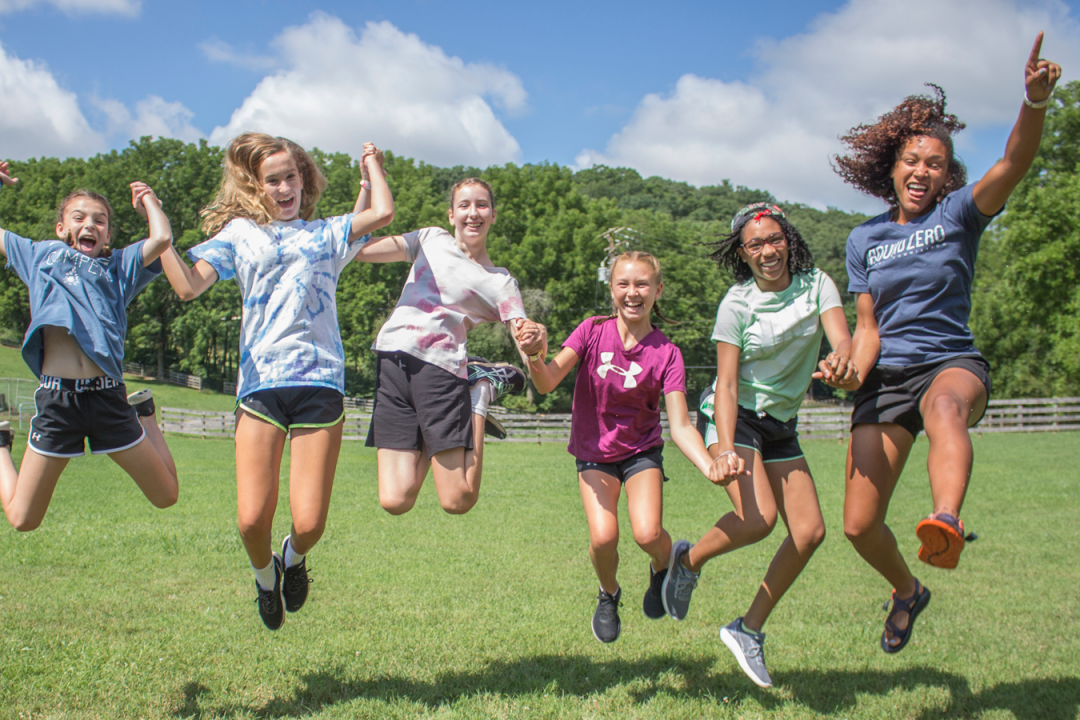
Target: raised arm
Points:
(188, 282)
(837, 369)
(1040, 77)
(147, 204)
(380, 209)
(689, 440)
(5, 180)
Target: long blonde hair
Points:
(240, 194)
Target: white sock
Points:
(292, 558)
(267, 576)
(480, 396)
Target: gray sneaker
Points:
(749, 650)
(680, 583)
(606, 624)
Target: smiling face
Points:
(770, 264)
(634, 291)
(283, 184)
(84, 226)
(919, 175)
(471, 213)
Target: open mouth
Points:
(86, 244)
(771, 266)
(917, 191)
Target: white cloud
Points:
(39, 117)
(778, 130)
(336, 90)
(153, 116)
(129, 8)
(218, 50)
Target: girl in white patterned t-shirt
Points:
(292, 368)
(425, 412)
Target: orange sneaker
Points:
(942, 537)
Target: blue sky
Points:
(756, 93)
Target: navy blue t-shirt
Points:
(919, 276)
(86, 296)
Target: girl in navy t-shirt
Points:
(911, 270)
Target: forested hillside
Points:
(550, 233)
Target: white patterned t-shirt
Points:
(446, 295)
(288, 274)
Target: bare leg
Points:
(645, 503)
(457, 472)
(151, 466)
(401, 473)
(311, 481)
(26, 494)
(952, 400)
(259, 446)
(600, 498)
(753, 517)
(876, 457)
(797, 502)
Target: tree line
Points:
(553, 234)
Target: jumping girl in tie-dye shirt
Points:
(292, 370)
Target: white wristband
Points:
(1037, 105)
(722, 454)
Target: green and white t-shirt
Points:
(779, 335)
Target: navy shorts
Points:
(419, 405)
(70, 412)
(652, 459)
(892, 393)
(303, 406)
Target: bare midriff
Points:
(64, 358)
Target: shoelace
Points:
(267, 601)
(684, 585)
(608, 606)
(294, 579)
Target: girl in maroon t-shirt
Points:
(626, 365)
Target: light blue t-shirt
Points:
(86, 296)
(288, 274)
(919, 276)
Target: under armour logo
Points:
(628, 375)
(36, 436)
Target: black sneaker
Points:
(504, 377)
(653, 604)
(271, 609)
(493, 427)
(6, 436)
(606, 624)
(143, 402)
(294, 586)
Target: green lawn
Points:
(115, 609)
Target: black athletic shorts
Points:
(300, 406)
(419, 405)
(623, 470)
(70, 412)
(774, 440)
(892, 393)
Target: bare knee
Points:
(604, 544)
(810, 539)
(254, 528)
(166, 499)
(398, 505)
(308, 532)
(759, 527)
(460, 504)
(946, 408)
(24, 523)
(648, 538)
(859, 532)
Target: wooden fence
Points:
(1025, 415)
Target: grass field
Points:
(115, 609)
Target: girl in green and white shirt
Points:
(768, 336)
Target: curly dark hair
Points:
(726, 255)
(874, 149)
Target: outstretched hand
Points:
(140, 195)
(1040, 76)
(5, 174)
(370, 151)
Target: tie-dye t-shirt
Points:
(617, 393)
(447, 294)
(288, 274)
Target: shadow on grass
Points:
(826, 693)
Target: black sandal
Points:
(912, 606)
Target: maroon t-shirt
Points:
(617, 392)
